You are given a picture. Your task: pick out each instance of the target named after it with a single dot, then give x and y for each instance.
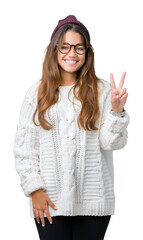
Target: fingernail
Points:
(50, 222)
(43, 225)
(55, 208)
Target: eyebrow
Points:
(74, 44)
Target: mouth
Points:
(70, 62)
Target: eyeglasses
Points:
(66, 47)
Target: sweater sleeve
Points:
(113, 129)
(26, 149)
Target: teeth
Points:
(70, 61)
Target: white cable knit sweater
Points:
(73, 166)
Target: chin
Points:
(71, 70)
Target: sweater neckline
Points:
(66, 86)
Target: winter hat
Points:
(68, 19)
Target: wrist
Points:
(118, 114)
(36, 191)
(118, 110)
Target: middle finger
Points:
(122, 80)
(41, 214)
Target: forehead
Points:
(73, 37)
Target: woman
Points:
(70, 123)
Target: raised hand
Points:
(119, 94)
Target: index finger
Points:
(122, 80)
(113, 85)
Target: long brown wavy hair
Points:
(86, 83)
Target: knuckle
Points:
(41, 214)
(45, 208)
(48, 199)
(47, 214)
(49, 203)
(52, 204)
(45, 205)
(36, 215)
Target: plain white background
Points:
(116, 35)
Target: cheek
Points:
(82, 60)
(60, 59)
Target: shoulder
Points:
(104, 87)
(31, 93)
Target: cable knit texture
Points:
(73, 166)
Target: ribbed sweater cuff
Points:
(32, 184)
(116, 124)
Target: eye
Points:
(64, 47)
(80, 48)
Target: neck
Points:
(68, 78)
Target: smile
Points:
(70, 62)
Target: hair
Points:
(86, 82)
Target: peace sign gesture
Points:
(119, 95)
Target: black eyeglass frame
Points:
(72, 45)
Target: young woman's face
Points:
(71, 61)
